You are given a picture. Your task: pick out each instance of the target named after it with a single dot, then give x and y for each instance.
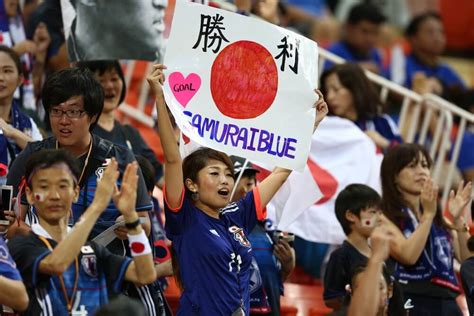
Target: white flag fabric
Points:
(341, 154)
(243, 92)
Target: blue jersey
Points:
(214, 254)
(7, 265)
(343, 50)
(269, 270)
(445, 74)
(384, 125)
(100, 274)
(101, 151)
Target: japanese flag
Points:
(341, 154)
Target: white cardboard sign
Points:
(241, 85)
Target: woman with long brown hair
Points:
(425, 243)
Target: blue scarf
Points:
(21, 122)
(436, 260)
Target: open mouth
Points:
(223, 192)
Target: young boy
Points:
(357, 210)
(63, 273)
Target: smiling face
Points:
(112, 85)
(214, 185)
(10, 79)
(339, 98)
(52, 191)
(412, 177)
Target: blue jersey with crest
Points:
(214, 254)
(100, 274)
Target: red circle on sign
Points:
(244, 80)
(137, 247)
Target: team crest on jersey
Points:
(239, 235)
(100, 171)
(89, 261)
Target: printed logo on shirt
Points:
(239, 236)
(89, 261)
(255, 277)
(100, 171)
(4, 257)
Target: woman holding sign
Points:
(209, 233)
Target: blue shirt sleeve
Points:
(7, 265)
(180, 218)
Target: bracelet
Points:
(133, 224)
(139, 244)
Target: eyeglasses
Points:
(73, 114)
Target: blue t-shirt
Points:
(384, 125)
(214, 254)
(100, 274)
(442, 72)
(7, 265)
(466, 154)
(269, 268)
(342, 49)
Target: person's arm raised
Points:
(142, 269)
(366, 296)
(408, 250)
(13, 294)
(268, 187)
(63, 255)
(173, 164)
(457, 205)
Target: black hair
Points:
(354, 198)
(122, 306)
(415, 23)
(365, 12)
(366, 100)
(148, 172)
(101, 66)
(198, 159)
(14, 56)
(71, 82)
(46, 158)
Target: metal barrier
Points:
(425, 119)
(417, 115)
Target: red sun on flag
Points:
(244, 80)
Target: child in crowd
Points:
(358, 211)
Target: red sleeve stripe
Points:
(261, 212)
(177, 209)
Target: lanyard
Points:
(69, 301)
(86, 161)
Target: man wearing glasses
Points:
(74, 100)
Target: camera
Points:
(6, 194)
(280, 235)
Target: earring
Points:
(195, 196)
